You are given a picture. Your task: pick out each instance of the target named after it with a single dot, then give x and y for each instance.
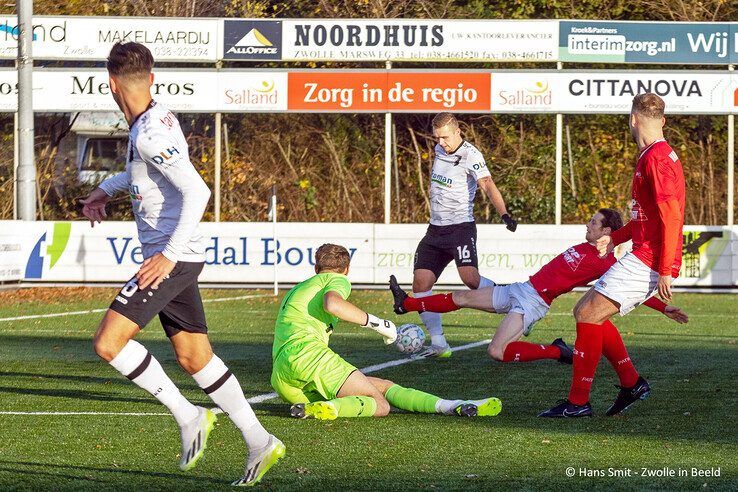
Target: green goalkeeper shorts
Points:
(309, 371)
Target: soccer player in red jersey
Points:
(655, 226)
(527, 302)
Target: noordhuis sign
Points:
(418, 40)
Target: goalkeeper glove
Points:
(384, 327)
(511, 223)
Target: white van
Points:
(101, 145)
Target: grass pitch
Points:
(687, 426)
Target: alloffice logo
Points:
(47, 251)
(252, 40)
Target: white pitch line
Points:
(91, 311)
(131, 414)
(258, 398)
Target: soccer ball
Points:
(410, 338)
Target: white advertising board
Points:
(90, 38)
(686, 92)
(70, 90)
(525, 91)
(236, 252)
(245, 253)
(419, 40)
(11, 259)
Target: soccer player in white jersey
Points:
(458, 170)
(168, 198)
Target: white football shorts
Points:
(522, 298)
(629, 282)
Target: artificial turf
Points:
(688, 425)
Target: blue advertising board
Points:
(707, 43)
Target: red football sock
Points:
(587, 353)
(614, 349)
(439, 303)
(526, 352)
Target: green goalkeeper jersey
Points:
(301, 316)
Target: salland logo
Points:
(252, 40)
(538, 93)
(264, 93)
(46, 254)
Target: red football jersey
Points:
(575, 267)
(658, 178)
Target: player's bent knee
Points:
(462, 298)
(191, 362)
(381, 384)
(105, 348)
(472, 283)
(582, 311)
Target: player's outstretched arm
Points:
(671, 312)
(93, 207)
(490, 189)
(339, 307)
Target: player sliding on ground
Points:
(168, 198)
(526, 302)
(317, 381)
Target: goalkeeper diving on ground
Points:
(316, 381)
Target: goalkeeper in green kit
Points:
(316, 381)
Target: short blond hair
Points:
(332, 258)
(442, 119)
(649, 105)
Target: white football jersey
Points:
(454, 184)
(167, 193)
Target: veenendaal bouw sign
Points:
(248, 252)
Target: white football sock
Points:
(485, 282)
(446, 407)
(432, 322)
(222, 387)
(137, 364)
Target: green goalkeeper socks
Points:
(355, 406)
(411, 400)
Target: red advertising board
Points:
(389, 91)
